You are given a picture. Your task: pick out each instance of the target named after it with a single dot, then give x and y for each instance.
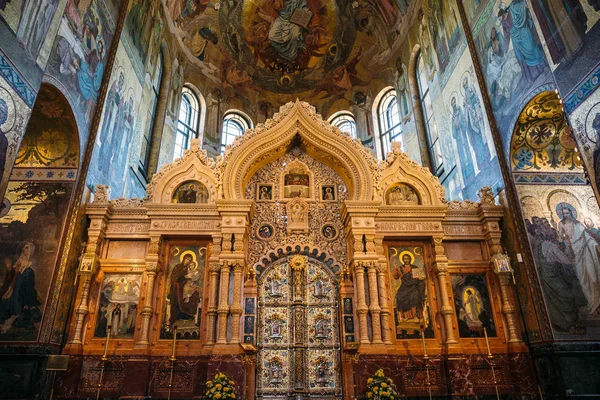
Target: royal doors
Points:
(298, 331)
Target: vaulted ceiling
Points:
(272, 51)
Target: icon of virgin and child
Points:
(185, 291)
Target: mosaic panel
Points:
(276, 285)
(274, 371)
(320, 289)
(276, 326)
(323, 368)
(118, 308)
(320, 326)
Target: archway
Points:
(36, 205)
(561, 215)
(298, 334)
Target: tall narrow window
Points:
(234, 125)
(433, 141)
(344, 120)
(390, 123)
(147, 139)
(187, 127)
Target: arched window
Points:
(234, 125)
(389, 121)
(147, 140)
(344, 120)
(187, 127)
(433, 141)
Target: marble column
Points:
(213, 298)
(440, 268)
(223, 307)
(214, 250)
(152, 268)
(508, 309)
(361, 307)
(374, 308)
(386, 328)
(236, 305)
(90, 264)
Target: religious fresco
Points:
(562, 225)
(511, 54)
(119, 130)
(14, 114)
(408, 278)
(30, 230)
(543, 148)
(33, 214)
(571, 34)
(190, 192)
(260, 52)
(586, 130)
(79, 55)
(182, 301)
(561, 215)
(51, 140)
(28, 28)
(118, 306)
(473, 307)
(139, 33)
(402, 194)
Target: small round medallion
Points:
(329, 232)
(264, 232)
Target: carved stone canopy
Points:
(298, 124)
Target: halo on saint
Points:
(407, 253)
(190, 252)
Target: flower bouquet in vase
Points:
(380, 387)
(220, 388)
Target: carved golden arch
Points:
(267, 142)
(401, 169)
(195, 165)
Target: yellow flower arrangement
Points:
(220, 388)
(381, 387)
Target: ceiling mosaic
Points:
(308, 48)
(543, 141)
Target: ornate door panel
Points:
(298, 331)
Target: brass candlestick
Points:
(490, 358)
(104, 359)
(173, 360)
(426, 359)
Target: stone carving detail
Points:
(319, 212)
(125, 227)
(408, 226)
(102, 194)
(185, 225)
(297, 215)
(486, 196)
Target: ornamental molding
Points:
(195, 165)
(269, 141)
(399, 168)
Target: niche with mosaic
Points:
(190, 192)
(184, 288)
(409, 289)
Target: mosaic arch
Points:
(33, 213)
(561, 215)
